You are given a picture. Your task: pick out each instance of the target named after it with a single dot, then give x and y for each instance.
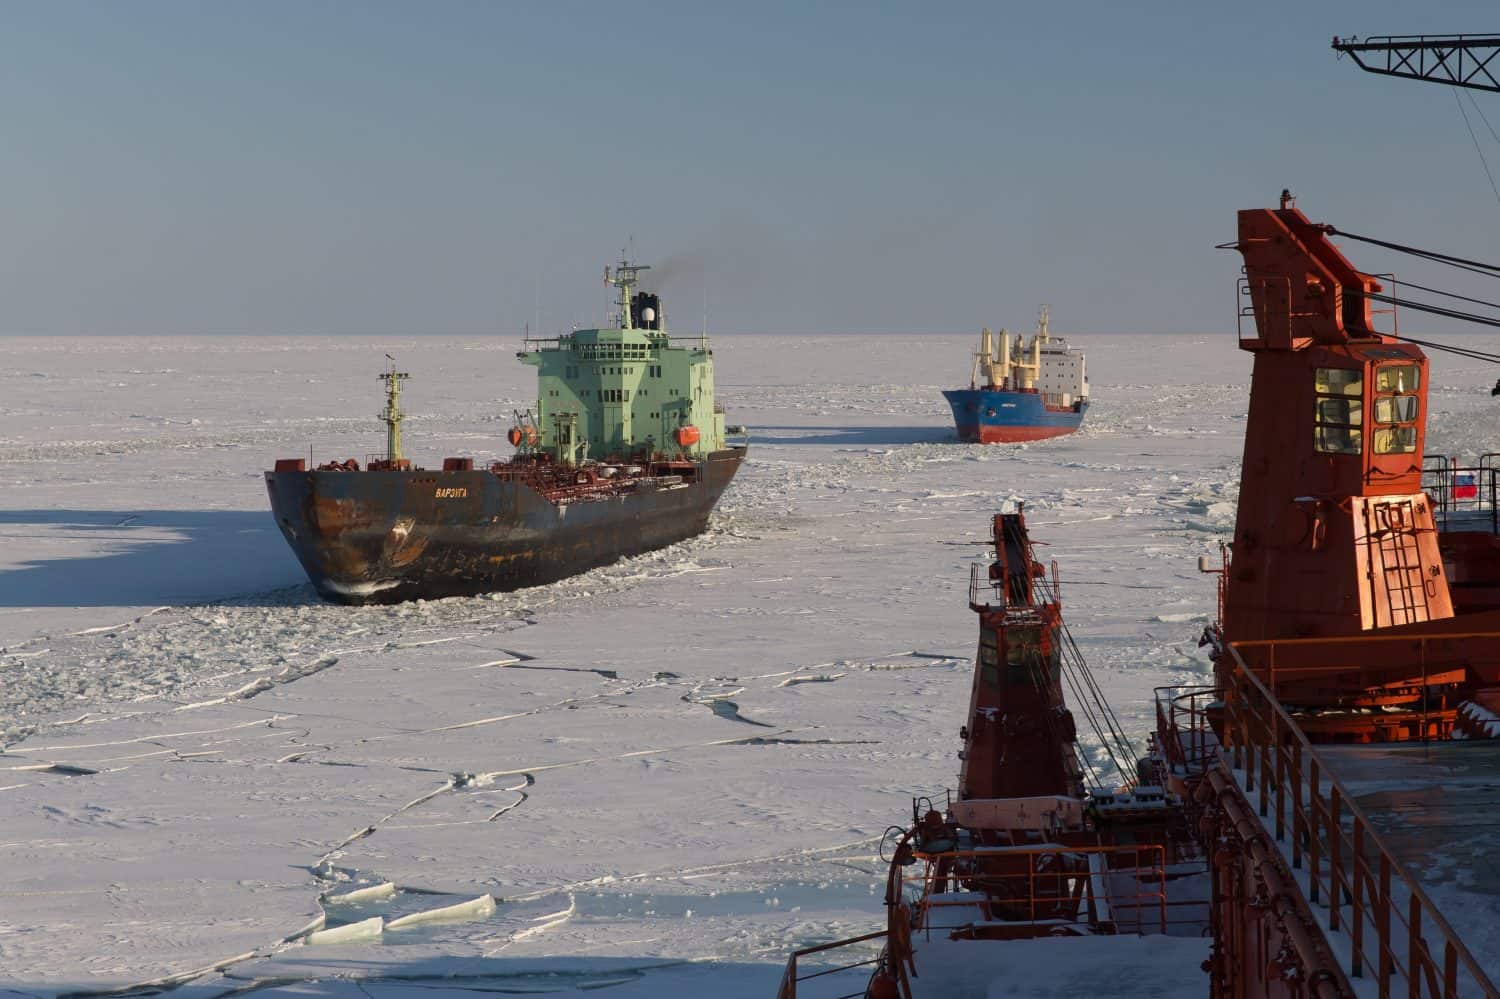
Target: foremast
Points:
(392, 416)
(1020, 739)
(626, 277)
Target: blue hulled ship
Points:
(1033, 389)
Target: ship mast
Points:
(392, 414)
(625, 279)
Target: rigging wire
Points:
(1462, 263)
(1473, 355)
(1486, 118)
(1050, 722)
(1121, 742)
(1398, 283)
(1438, 310)
(1088, 696)
(1036, 669)
(1083, 705)
(1114, 743)
(1085, 695)
(1475, 139)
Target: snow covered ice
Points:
(665, 774)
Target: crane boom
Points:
(1456, 60)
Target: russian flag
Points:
(1465, 485)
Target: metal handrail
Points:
(1149, 906)
(1282, 770)
(941, 874)
(987, 594)
(1192, 703)
(1436, 666)
(1439, 481)
(790, 978)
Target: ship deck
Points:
(1437, 807)
(1478, 520)
(1127, 967)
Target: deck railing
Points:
(988, 594)
(792, 977)
(1186, 739)
(1287, 666)
(1469, 494)
(1020, 892)
(1063, 887)
(1398, 937)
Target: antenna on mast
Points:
(392, 414)
(625, 278)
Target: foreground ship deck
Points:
(1435, 806)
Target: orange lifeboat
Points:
(686, 436)
(528, 435)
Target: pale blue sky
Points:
(392, 168)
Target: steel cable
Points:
(1463, 263)
(1089, 697)
(1446, 294)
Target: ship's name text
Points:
(452, 493)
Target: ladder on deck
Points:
(1401, 570)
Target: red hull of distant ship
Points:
(1011, 435)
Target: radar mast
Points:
(392, 414)
(625, 278)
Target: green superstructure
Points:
(627, 391)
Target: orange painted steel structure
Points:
(1356, 608)
(1020, 739)
(1335, 540)
(933, 904)
(792, 976)
(1294, 856)
(1020, 852)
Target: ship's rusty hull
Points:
(387, 536)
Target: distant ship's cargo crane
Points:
(1471, 61)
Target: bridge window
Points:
(989, 658)
(1395, 440)
(1339, 410)
(1396, 408)
(1022, 651)
(1398, 378)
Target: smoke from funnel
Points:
(676, 269)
